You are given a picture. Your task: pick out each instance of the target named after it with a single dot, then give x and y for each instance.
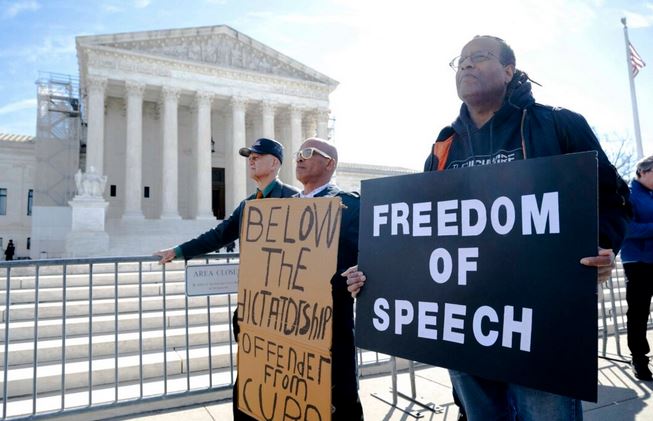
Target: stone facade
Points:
(17, 164)
(163, 115)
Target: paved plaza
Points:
(621, 396)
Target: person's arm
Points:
(604, 263)
(226, 232)
(614, 203)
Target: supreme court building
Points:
(160, 119)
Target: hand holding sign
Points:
(604, 262)
(355, 280)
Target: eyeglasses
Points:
(307, 153)
(475, 58)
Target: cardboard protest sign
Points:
(288, 253)
(478, 270)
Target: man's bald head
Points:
(315, 163)
(323, 145)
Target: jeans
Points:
(488, 400)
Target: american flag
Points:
(636, 61)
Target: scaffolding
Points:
(59, 135)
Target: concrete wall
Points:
(17, 163)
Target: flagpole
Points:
(633, 95)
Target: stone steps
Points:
(51, 310)
(49, 351)
(83, 280)
(75, 326)
(78, 398)
(48, 376)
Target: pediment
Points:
(218, 45)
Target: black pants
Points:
(238, 414)
(639, 290)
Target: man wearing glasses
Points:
(264, 160)
(499, 121)
(316, 162)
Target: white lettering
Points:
(425, 320)
(451, 322)
(493, 335)
(549, 212)
(523, 328)
(465, 265)
(502, 202)
(382, 321)
(399, 216)
(421, 219)
(403, 315)
(466, 207)
(379, 218)
(444, 217)
(438, 255)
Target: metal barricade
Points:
(86, 335)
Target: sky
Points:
(396, 90)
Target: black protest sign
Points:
(477, 270)
(288, 253)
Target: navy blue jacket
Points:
(229, 229)
(638, 244)
(523, 129)
(343, 352)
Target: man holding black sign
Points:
(316, 162)
(499, 121)
(264, 159)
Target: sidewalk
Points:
(621, 396)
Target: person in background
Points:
(11, 249)
(637, 257)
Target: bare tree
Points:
(621, 153)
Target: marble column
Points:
(323, 124)
(134, 151)
(310, 125)
(267, 117)
(95, 88)
(295, 142)
(203, 148)
(170, 165)
(236, 181)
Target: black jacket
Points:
(229, 229)
(523, 129)
(343, 352)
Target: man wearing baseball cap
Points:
(264, 160)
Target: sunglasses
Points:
(307, 153)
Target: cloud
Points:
(12, 107)
(142, 4)
(15, 8)
(111, 8)
(51, 46)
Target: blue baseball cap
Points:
(264, 146)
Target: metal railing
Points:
(87, 337)
(120, 331)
